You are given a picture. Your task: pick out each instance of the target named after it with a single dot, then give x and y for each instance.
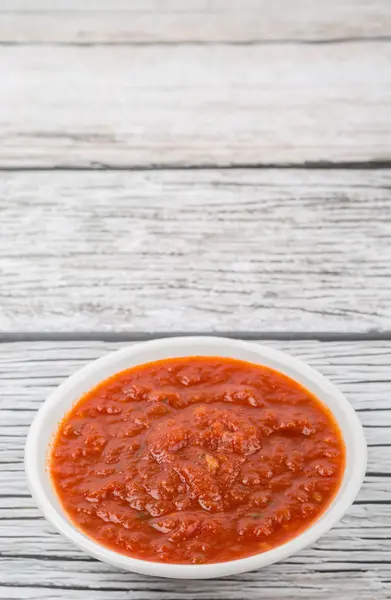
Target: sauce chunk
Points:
(196, 460)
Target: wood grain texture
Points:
(121, 106)
(352, 562)
(211, 250)
(231, 21)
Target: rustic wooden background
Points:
(197, 166)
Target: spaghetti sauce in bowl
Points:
(195, 461)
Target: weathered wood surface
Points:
(125, 84)
(283, 83)
(263, 250)
(352, 562)
(227, 21)
(167, 105)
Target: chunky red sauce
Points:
(196, 460)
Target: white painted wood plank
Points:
(351, 562)
(352, 582)
(240, 21)
(190, 105)
(267, 250)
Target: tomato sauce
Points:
(196, 460)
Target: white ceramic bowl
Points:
(61, 400)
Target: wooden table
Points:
(217, 166)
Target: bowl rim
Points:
(62, 523)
